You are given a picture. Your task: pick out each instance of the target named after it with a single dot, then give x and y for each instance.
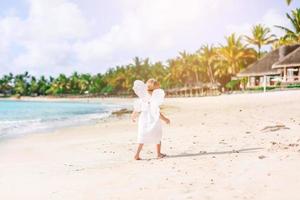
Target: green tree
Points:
(185, 68)
(21, 84)
(33, 86)
(260, 36)
(281, 42)
(73, 83)
(43, 85)
(208, 58)
(97, 84)
(6, 85)
(293, 33)
(84, 83)
(234, 55)
(59, 86)
(160, 72)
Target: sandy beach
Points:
(244, 146)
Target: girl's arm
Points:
(134, 116)
(164, 118)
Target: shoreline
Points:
(63, 99)
(223, 147)
(125, 99)
(41, 126)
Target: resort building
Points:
(289, 67)
(194, 90)
(279, 66)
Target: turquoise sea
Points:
(21, 117)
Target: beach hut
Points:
(263, 72)
(194, 90)
(289, 67)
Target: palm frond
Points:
(287, 30)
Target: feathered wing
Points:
(157, 97)
(140, 89)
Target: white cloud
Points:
(55, 19)
(150, 28)
(145, 25)
(63, 36)
(46, 36)
(271, 18)
(56, 36)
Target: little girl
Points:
(147, 108)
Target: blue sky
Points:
(61, 36)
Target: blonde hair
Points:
(152, 84)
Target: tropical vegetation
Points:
(260, 37)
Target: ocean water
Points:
(22, 117)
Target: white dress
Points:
(149, 124)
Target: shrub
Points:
(107, 89)
(293, 86)
(232, 85)
(262, 88)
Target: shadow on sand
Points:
(246, 150)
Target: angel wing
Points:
(140, 89)
(157, 97)
(156, 100)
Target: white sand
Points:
(96, 162)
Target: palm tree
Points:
(21, 83)
(294, 33)
(208, 56)
(281, 42)
(74, 83)
(235, 55)
(160, 72)
(59, 86)
(34, 87)
(261, 36)
(137, 63)
(175, 72)
(84, 83)
(288, 2)
(43, 85)
(192, 66)
(185, 68)
(6, 85)
(116, 79)
(97, 83)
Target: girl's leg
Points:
(158, 150)
(139, 149)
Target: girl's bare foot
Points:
(137, 157)
(161, 155)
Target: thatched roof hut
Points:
(264, 65)
(196, 89)
(215, 85)
(292, 59)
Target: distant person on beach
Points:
(146, 108)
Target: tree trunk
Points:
(211, 75)
(259, 52)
